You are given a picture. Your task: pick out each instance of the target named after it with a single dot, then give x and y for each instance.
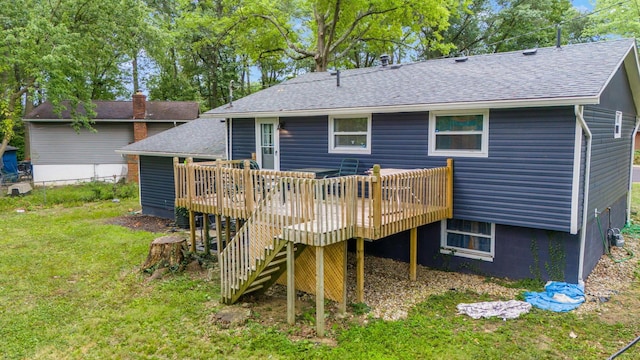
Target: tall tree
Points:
(485, 26)
(64, 50)
(614, 17)
(325, 30)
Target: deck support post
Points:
(319, 291)
(192, 229)
(219, 239)
(291, 284)
(206, 239)
(377, 201)
(190, 194)
(360, 269)
(342, 306)
(449, 188)
(413, 253)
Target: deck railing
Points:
(317, 211)
(302, 210)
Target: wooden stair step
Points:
(276, 262)
(269, 271)
(252, 289)
(261, 280)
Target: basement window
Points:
(463, 133)
(470, 239)
(350, 134)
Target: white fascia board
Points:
(149, 121)
(169, 154)
(496, 104)
(631, 65)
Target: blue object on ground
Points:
(558, 296)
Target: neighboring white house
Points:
(60, 154)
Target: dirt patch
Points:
(144, 222)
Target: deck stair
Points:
(267, 271)
(256, 256)
(287, 207)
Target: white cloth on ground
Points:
(504, 309)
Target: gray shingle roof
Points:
(123, 110)
(201, 138)
(573, 74)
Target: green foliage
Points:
(359, 308)
(486, 26)
(69, 195)
(68, 52)
(636, 157)
(528, 284)
(557, 257)
(534, 269)
(614, 17)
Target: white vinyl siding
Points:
(60, 144)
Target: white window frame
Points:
(467, 253)
(617, 128)
(484, 146)
(349, 150)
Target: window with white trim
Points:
(463, 133)
(350, 134)
(471, 239)
(617, 130)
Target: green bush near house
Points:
(636, 157)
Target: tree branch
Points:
(284, 35)
(332, 29)
(355, 23)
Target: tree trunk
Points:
(134, 73)
(166, 251)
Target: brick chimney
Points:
(139, 132)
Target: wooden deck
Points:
(318, 212)
(284, 213)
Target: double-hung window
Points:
(350, 134)
(463, 133)
(472, 239)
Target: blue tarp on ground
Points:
(558, 296)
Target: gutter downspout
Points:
(633, 146)
(227, 138)
(585, 197)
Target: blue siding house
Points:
(201, 139)
(542, 142)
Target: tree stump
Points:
(166, 251)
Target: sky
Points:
(583, 4)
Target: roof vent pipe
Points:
(384, 60)
(338, 78)
(558, 36)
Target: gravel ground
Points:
(390, 294)
(609, 277)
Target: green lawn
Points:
(70, 289)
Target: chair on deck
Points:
(253, 165)
(348, 166)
